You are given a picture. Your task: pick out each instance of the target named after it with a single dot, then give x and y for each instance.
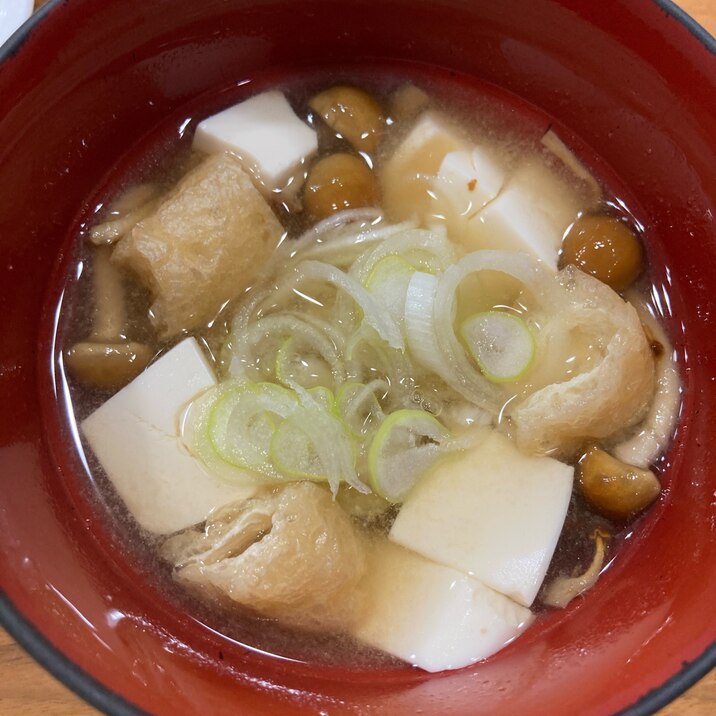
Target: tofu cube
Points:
(135, 437)
(265, 133)
(591, 192)
(489, 512)
(466, 181)
(204, 244)
(531, 214)
(407, 176)
(433, 616)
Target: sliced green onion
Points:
(426, 250)
(313, 444)
(501, 343)
(460, 373)
(243, 420)
(294, 453)
(358, 406)
(419, 325)
(405, 446)
(323, 397)
(388, 284)
(195, 436)
(305, 368)
(256, 345)
(342, 245)
(368, 358)
(373, 315)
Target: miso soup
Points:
(365, 368)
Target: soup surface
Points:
(353, 354)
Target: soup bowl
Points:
(86, 80)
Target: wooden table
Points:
(27, 690)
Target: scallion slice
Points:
(404, 447)
(501, 343)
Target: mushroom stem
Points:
(106, 358)
(110, 315)
(133, 206)
(563, 589)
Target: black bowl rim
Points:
(111, 703)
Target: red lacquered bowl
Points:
(632, 80)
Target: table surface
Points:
(27, 690)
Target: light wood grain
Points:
(704, 11)
(28, 690)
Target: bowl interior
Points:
(78, 96)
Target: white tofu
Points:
(490, 512)
(406, 177)
(531, 214)
(135, 436)
(465, 182)
(265, 133)
(565, 155)
(158, 394)
(433, 616)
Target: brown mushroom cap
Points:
(352, 113)
(614, 488)
(338, 182)
(605, 247)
